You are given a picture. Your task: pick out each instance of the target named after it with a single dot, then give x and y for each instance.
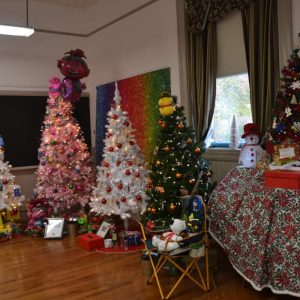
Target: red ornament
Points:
(137, 175)
(104, 201)
(131, 143)
(128, 172)
(115, 117)
(108, 189)
(110, 149)
(120, 185)
(5, 181)
(138, 197)
(130, 163)
(119, 145)
(126, 123)
(123, 199)
(106, 164)
(109, 134)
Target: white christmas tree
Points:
(234, 137)
(122, 176)
(10, 193)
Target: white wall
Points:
(27, 64)
(143, 42)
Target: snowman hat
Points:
(250, 128)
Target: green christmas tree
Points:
(286, 113)
(176, 166)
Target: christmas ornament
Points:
(166, 106)
(197, 150)
(178, 175)
(189, 141)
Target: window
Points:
(232, 98)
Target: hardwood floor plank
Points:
(38, 269)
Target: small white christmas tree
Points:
(122, 176)
(10, 193)
(234, 137)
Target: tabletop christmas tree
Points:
(286, 121)
(64, 175)
(234, 137)
(177, 165)
(122, 175)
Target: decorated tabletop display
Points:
(64, 176)
(284, 135)
(122, 176)
(252, 152)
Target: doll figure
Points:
(252, 152)
(74, 67)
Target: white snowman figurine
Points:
(252, 152)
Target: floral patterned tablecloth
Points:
(259, 229)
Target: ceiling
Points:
(69, 17)
(78, 4)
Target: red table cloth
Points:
(259, 229)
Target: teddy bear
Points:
(168, 241)
(252, 152)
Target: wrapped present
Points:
(282, 179)
(133, 237)
(90, 241)
(286, 152)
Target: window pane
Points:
(232, 98)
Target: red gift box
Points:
(282, 179)
(90, 241)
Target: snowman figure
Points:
(252, 152)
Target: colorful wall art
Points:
(140, 95)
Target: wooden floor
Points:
(59, 269)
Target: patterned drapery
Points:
(199, 12)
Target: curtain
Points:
(201, 18)
(261, 43)
(201, 73)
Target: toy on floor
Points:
(252, 152)
(161, 242)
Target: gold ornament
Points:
(178, 175)
(158, 163)
(167, 149)
(153, 210)
(192, 181)
(189, 140)
(180, 126)
(160, 189)
(172, 206)
(197, 150)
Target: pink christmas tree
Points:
(122, 177)
(64, 176)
